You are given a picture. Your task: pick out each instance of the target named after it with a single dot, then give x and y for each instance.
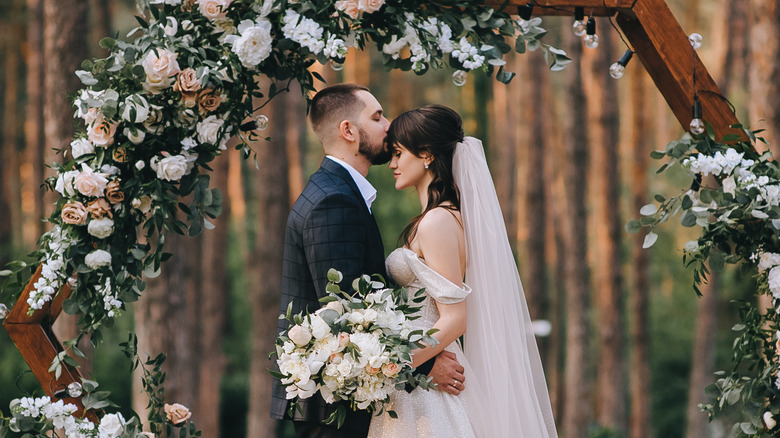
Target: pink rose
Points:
(371, 6)
(99, 208)
(349, 7)
(391, 369)
(90, 183)
(74, 213)
(213, 9)
(300, 335)
(101, 131)
(177, 413)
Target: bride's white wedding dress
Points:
(505, 390)
(422, 413)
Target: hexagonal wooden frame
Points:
(648, 25)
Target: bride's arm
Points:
(440, 242)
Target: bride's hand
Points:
(447, 373)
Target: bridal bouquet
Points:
(356, 348)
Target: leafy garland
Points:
(735, 200)
(159, 108)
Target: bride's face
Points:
(408, 169)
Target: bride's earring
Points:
(426, 165)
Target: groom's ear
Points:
(348, 131)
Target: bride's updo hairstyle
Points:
(435, 129)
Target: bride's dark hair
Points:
(435, 129)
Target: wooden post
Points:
(32, 335)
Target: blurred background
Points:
(631, 347)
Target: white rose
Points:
(98, 258)
(345, 368)
(254, 44)
(135, 136)
(774, 281)
(768, 260)
(144, 204)
(3, 311)
(101, 228)
(90, 183)
(64, 183)
(213, 9)
(135, 109)
(209, 128)
(769, 420)
(111, 425)
(170, 168)
(81, 146)
(299, 334)
(319, 328)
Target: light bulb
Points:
(697, 126)
(578, 27)
(262, 122)
(336, 66)
(591, 41)
(74, 389)
(616, 70)
(695, 39)
(459, 78)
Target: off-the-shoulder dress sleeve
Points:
(437, 286)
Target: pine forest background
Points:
(631, 346)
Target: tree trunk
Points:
(64, 47)
(639, 371)
(33, 169)
(577, 402)
(602, 108)
(764, 71)
(273, 206)
(703, 361)
(188, 303)
(9, 192)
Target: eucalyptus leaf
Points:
(650, 239)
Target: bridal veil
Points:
(499, 342)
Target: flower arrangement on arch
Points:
(356, 349)
(734, 199)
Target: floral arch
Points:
(160, 108)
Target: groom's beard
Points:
(376, 154)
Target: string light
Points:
(617, 69)
(459, 78)
(591, 40)
(697, 124)
(695, 39)
(579, 21)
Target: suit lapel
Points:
(339, 171)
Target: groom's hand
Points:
(447, 373)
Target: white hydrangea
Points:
(768, 260)
(254, 44)
(304, 31)
(335, 47)
(52, 269)
(467, 54)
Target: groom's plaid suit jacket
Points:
(329, 227)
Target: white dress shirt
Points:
(366, 189)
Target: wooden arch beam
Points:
(661, 44)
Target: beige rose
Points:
(177, 413)
(113, 192)
(74, 213)
(391, 369)
(188, 81)
(299, 334)
(89, 182)
(208, 101)
(371, 370)
(349, 7)
(101, 131)
(160, 66)
(144, 204)
(99, 208)
(371, 6)
(213, 9)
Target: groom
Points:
(331, 226)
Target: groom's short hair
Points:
(334, 104)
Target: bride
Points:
(461, 234)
